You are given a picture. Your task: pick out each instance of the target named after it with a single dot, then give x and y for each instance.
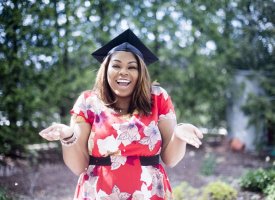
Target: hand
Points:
(189, 133)
(56, 132)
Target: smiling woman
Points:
(121, 128)
(122, 75)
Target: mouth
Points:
(123, 82)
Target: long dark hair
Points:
(141, 97)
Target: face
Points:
(122, 74)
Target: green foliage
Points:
(269, 191)
(208, 165)
(255, 55)
(38, 71)
(259, 108)
(45, 56)
(10, 144)
(257, 180)
(219, 191)
(185, 192)
(4, 195)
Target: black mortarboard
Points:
(126, 41)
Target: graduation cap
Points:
(126, 41)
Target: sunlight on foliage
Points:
(185, 192)
(219, 191)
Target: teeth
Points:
(123, 81)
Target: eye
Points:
(115, 66)
(132, 67)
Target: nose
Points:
(123, 71)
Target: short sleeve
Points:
(81, 109)
(164, 103)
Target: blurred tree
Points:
(254, 41)
(21, 79)
(39, 81)
(183, 34)
(45, 62)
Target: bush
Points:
(269, 191)
(219, 191)
(257, 180)
(4, 195)
(13, 140)
(185, 192)
(208, 165)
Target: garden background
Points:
(216, 60)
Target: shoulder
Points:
(158, 91)
(87, 93)
(162, 103)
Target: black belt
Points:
(106, 161)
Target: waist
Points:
(106, 161)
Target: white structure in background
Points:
(238, 123)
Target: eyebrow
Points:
(128, 62)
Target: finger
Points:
(59, 128)
(193, 143)
(46, 130)
(47, 137)
(198, 133)
(51, 133)
(55, 135)
(197, 140)
(54, 126)
(44, 133)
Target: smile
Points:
(123, 82)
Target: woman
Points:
(119, 130)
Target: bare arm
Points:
(175, 137)
(75, 156)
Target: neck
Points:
(121, 111)
(122, 105)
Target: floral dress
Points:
(124, 138)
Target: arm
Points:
(75, 156)
(175, 137)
